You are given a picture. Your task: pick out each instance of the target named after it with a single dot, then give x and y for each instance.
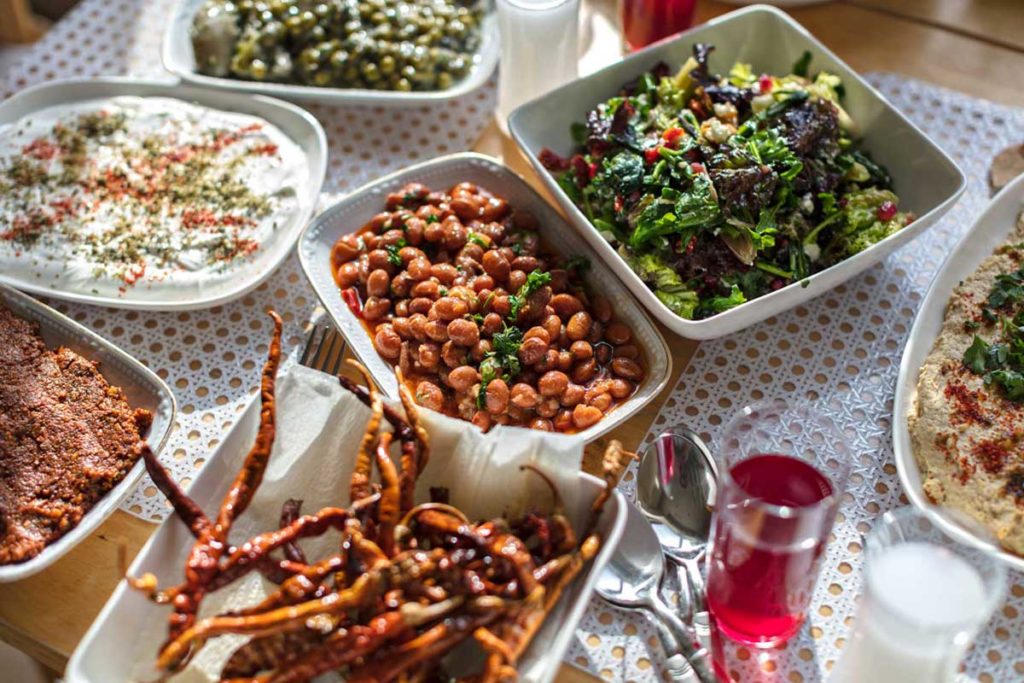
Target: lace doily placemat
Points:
(212, 358)
(843, 351)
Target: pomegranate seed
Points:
(777, 284)
(697, 167)
(691, 245)
(618, 203)
(651, 155)
(764, 83)
(886, 211)
(592, 169)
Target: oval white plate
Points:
(987, 233)
(179, 59)
(926, 179)
(354, 211)
(294, 122)
(142, 388)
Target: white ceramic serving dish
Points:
(926, 179)
(293, 121)
(988, 232)
(115, 642)
(141, 386)
(179, 59)
(354, 211)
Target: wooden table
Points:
(975, 47)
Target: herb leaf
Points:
(534, 281)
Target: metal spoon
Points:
(676, 487)
(632, 579)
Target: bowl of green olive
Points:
(382, 52)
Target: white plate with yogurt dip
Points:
(179, 58)
(143, 389)
(990, 230)
(147, 195)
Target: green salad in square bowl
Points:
(719, 188)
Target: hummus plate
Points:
(990, 231)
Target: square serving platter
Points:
(927, 181)
(179, 59)
(115, 643)
(296, 123)
(988, 232)
(142, 388)
(354, 211)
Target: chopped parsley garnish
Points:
(1001, 363)
(393, 249)
(1008, 290)
(534, 281)
(477, 238)
(501, 361)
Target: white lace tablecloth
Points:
(842, 348)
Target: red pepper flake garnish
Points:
(134, 273)
(652, 155)
(886, 211)
(991, 455)
(968, 404)
(41, 149)
(269, 149)
(206, 218)
(351, 297)
(764, 84)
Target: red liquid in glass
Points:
(646, 21)
(762, 568)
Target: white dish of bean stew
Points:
(457, 273)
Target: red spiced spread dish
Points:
(482, 320)
(67, 437)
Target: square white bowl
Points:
(988, 232)
(117, 640)
(179, 59)
(143, 389)
(927, 181)
(351, 213)
(296, 123)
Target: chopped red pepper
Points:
(671, 137)
(764, 83)
(592, 169)
(651, 155)
(581, 169)
(886, 211)
(618, 203)
(351, 297)
(697, 167)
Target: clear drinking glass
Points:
(782, 468)
(924, 598)
(538, 50)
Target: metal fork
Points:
(325, 350)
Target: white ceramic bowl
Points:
(142, 388)
(179, 59)
(988, 232)
(926, 179)
(304, 130)
(117, 640)
(354, 211)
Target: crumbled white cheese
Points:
(715, 131)
(813, 251)
(807, 204)
(761, 102)
(725, 111)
